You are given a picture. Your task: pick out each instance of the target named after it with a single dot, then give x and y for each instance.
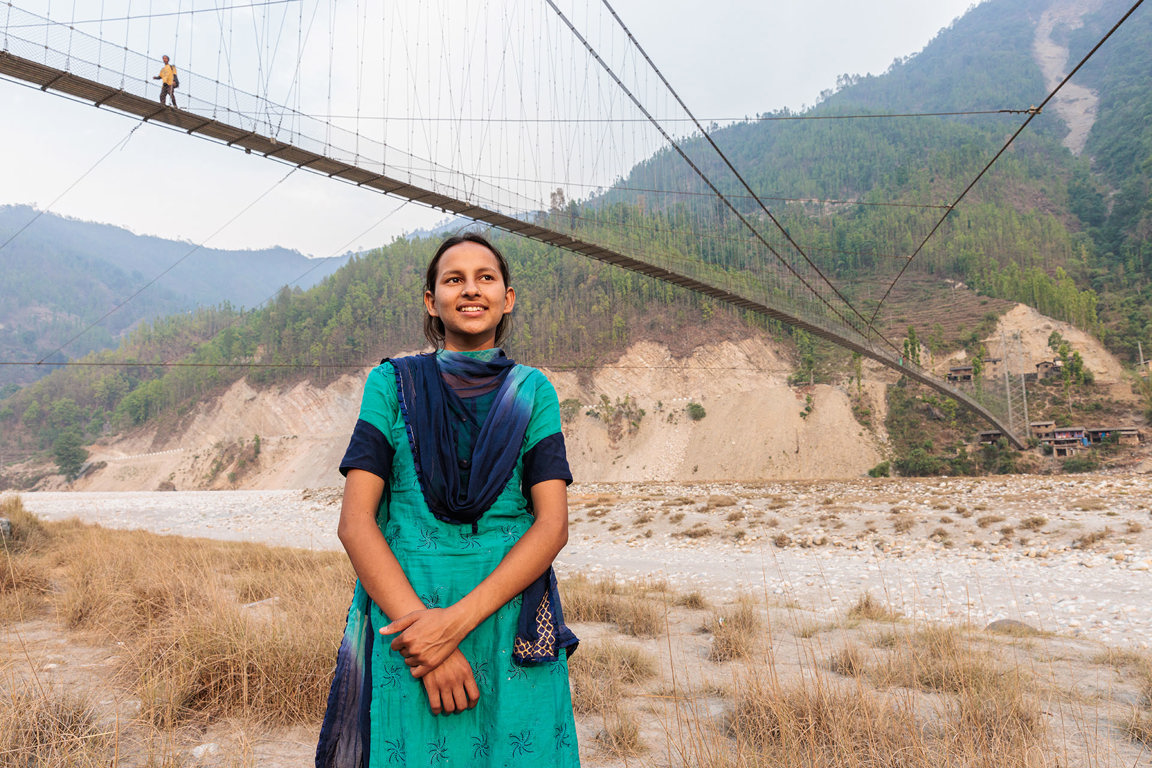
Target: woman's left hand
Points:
(427, 637)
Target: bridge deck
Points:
(101, 95)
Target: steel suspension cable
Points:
(736, 173)
(172, 266)
(675, 145)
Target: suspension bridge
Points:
(645, 171)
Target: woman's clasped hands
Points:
(428, 640)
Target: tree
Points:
(69, 452)
(912, 347)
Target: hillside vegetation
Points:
(62, 275)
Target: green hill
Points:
(60, 275)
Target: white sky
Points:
(725, 58)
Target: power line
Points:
(358, 366)
(619, 120)
(1031, 114)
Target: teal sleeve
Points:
(379, 407)
(545, 418)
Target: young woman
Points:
(455, 504)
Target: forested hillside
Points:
(60, 275)
(1068, 234)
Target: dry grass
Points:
(606, 600)
(1088, 539)
(987, 719)
(987, 520)
(848, 661)
(1033, 523)
(693, 600)
(50, 728)
(603, 672)
(737, 632)
(815, 722)
(868, 608)
(191, 648)
(620, 736)
(213, 630)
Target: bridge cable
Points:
(743, 182)
(1033, 112)
(174, 264)
(150, 15)
(118, 145)
(311, 269)
(692, 165)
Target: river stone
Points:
(1011, 627)
(5, 528)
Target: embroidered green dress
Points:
(524, 715)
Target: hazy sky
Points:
(726, 59)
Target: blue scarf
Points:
(434, 413)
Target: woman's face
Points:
(470, 297)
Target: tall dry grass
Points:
(23, 577)
(207, 629)
(46, 727)
(630, 606)
(603, 673)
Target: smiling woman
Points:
(467, 295)
(455, 506)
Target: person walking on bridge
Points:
(170, 82)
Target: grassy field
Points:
(135, 649)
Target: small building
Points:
(992, 367)
(989, 437)
(1065, 441)
(1122, 435)
(1048, 368)
(960, 373)
(1042, 430)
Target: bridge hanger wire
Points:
(704, 133)
(120, 143)
(696, 169)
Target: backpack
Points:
(175, 78)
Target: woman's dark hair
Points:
(434, 326)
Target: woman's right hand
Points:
(451, 686)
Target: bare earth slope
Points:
(755, 427)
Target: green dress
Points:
(524, 715)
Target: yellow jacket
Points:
(168, 74)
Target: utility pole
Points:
(1007, 379)
(1024, 387)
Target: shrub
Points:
(695, 411)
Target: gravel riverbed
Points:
(1071, 555)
